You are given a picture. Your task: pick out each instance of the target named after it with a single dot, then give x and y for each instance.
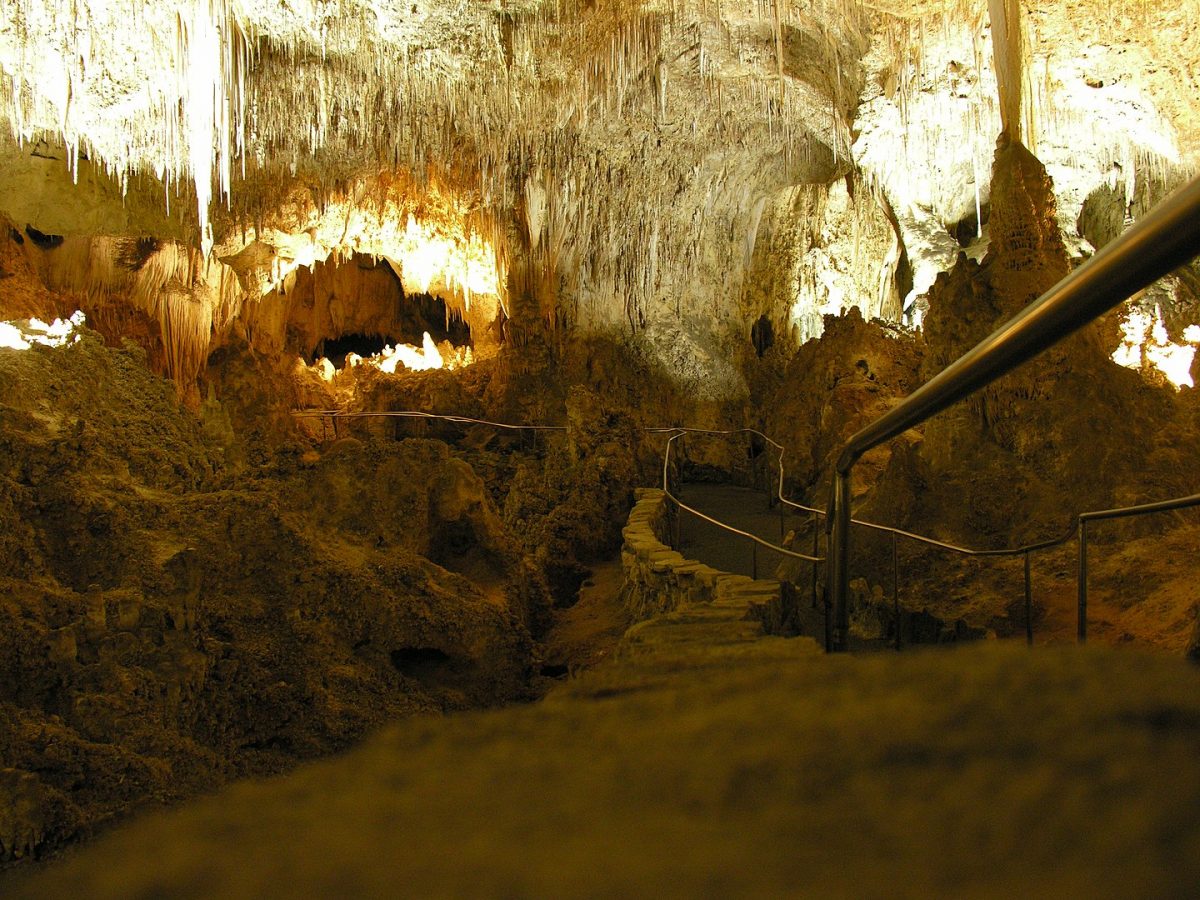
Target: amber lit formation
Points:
(340, 343)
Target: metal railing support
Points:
(1081, 622)
(896, 585)
(838, 553)
(1124, 512)
(828, 621)
(678, 434)
(837, 523)
(816, 547)
(1166, 238)
(678, 525)
(1028, 603)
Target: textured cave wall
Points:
(172, 618)
(1172, 302)
(625, 185)
(823, 249)
(623, 168)
(38, 187)
(1104, 98)
(829, 389)
(1066, 432)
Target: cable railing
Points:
(336, 415)
(416, 414)
(1163, 240)
(677, 433)
(1025, 550)
(1079, 526)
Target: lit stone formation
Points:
(523, 448)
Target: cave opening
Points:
(337, 349)
(426, 312)
(969, 229)
(762, 335)
(356, 307)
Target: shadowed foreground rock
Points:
(707, 760)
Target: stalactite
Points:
(1010, 50)
(188, 296)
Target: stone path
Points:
(707, 759)
(748, 511)
(741, 508)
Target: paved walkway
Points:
(707, 760)
(748, 511)
(743, 509)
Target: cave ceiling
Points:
(654, 163)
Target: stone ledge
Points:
(660, 580)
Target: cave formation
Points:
(339, 349)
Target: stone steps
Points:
(683, 601)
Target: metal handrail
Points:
(1142, 509)
(1163, 240)
(674, 431)
(1078, 526)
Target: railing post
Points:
(838, 554)
(896, 586)
(816, 530)
(1028, 604)
(754, 562)
(1083, 575)
(828, 620)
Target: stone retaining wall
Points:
(659, 579)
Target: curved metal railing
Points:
(1163, 240)
(1079, 526)
(666, 483)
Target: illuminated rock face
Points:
(613, 166)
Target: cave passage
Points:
(358, 305)
(337, 349)
(425, 312)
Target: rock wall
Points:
(169, 620)
(829, 389)
(1070, 420)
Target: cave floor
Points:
(705, 759)
(585, 634)
(737, 506)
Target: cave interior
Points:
(413, 416)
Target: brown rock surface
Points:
(168, 621)
(709, 759)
